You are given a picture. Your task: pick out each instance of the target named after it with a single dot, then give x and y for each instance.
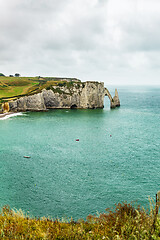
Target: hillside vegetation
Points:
(124, 222)
(12, 88)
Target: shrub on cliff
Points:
(17, 75)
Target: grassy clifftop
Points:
(125, 222)
(12, 88)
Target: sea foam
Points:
(10, 115)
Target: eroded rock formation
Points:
(5, 107)
(80, 95)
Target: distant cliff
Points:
(87, 95)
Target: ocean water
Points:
(116, 159)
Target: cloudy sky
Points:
(115, 41)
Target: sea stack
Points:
(115, 101)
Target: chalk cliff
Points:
(78, 95)
(115, 100)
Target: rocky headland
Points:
(80, 95)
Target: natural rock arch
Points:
(114, 102)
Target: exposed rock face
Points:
(5, 107)
(115, 101)
(79, 95)
(30, 103)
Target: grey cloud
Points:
(82, 38)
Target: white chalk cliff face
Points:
(80, 95)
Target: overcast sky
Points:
(115, 41)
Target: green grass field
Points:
(12, 88)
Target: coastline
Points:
(8, 115)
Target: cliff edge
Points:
(82, 95)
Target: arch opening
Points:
(106, 102)
(74, 106)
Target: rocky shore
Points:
(2, 115)
(7, 115)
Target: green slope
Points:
(12, 88)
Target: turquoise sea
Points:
(116, 159)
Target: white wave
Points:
(10, 115)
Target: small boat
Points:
(26, 156)
(77, 140)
